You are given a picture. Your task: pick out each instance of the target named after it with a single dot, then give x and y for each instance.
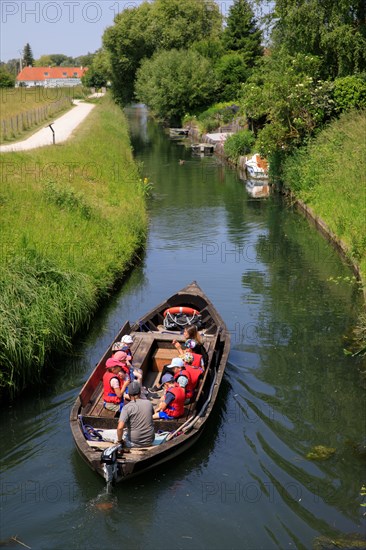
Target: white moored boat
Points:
(257, 167)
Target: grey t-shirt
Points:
(137, 416)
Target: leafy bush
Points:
(217, 115)
(350, 93)
(175, 82)
(239, 144)
(222, 112)
(7, 80)
(232, 71)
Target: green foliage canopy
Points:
(349, 93)
(181, 23)
(333, 30)
(99, 72)
(288, 94)
(128, 42)
(163, 24)
(232, 71)
(242, 33)
(175, 82)
(7, 80)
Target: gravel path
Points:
(63, 127)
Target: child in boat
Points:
(115, 381)
(195, 373)
(193, 343)
(172, 404)
(124, 346)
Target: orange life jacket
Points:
(108, 394)
(176, 408)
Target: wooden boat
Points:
(152, 349)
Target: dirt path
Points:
(63, 127)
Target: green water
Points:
(248, 483)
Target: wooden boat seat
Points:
(98, 409)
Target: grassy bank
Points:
(329, 176)
(72, 217)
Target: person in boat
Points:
(124, 345)
(115, 381)
(177, 362)
(193, 343)
(182, 377)
(194, 372)
(172, 404)
(135, 426)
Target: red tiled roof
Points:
(44, 73)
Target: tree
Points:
(84, 60)
(12, 66)
(175, 82)
(61, 60)
(333, 30)
(28, 58)
(99, 73)
(350, 93)
(44, 61)
(7, 80)
(162, 24)
(232, 71)
(241, 33)
(128, 42)
(287, 94)
(181, 23)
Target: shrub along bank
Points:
(72, 218)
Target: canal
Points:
(288, 301)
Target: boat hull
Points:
(153, 347)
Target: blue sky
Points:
(70, 27)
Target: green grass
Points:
(72, 217)
(14, 101)
(20, 102)
(330, 177)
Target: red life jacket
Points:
(108, 394)
(195, 374)
(189, 387)
(196, 359)
(176, 408)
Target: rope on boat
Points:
(172, 434)
(180, 319)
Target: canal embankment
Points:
(73, 220)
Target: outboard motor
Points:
(109, 461)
